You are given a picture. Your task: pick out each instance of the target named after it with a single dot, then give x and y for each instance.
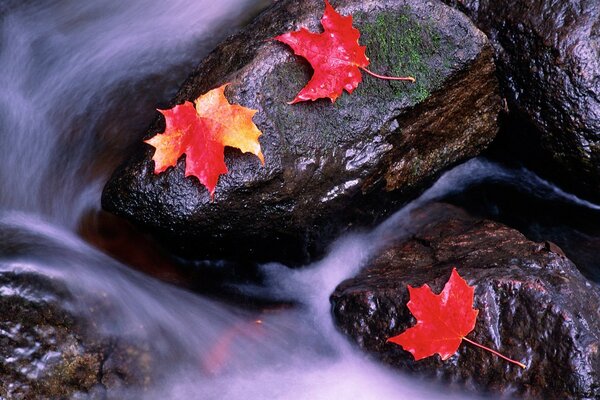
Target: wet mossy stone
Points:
(329, 166)
(403, 45)
(48, 352)
(534, 306)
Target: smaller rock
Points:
(534, 306)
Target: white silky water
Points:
(293, 353)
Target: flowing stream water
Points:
(80, 80)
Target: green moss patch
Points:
(400, 44)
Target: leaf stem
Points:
(495, 352)
(389, 78)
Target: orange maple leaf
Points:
(335, 55)
(443, 320)
(201, 133)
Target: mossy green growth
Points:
(399, 44)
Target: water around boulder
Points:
(534, 306)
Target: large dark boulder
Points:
(328, 166)
(48, 352)
(534, 306)
(548, 59)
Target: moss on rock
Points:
(402, 44)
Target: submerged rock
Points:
(548, 58)
(47, 352)
(534, 306)
(328, 166)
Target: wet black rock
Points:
(534, 306)
(328, 166)
(548, 59)
(47, 352)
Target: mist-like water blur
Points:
(213, 351)
(80, 81)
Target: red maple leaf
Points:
(443, 320)
(201, 133)
(335, 55)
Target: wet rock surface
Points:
(548, 59)
(46, 352)
(540, 213)
(328, 166)
(534, 306)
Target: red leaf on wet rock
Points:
(443, 320)
(335, 55)
(201, 132)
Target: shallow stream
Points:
(80, 80)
